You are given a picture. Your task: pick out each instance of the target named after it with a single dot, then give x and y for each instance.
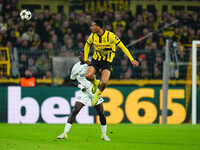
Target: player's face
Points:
(93, 27)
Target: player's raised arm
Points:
(87, 47)
(125, 50)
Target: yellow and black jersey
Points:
(104, 46)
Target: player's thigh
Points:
(90, 72)
(105, 76)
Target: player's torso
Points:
(104, 48)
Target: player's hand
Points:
(135, 63)
(84, 89)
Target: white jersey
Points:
(78, 73)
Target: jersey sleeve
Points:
(87, 46)
(90, 39)
(126, 51)
(73, 73)
(118, 43)
(115, 39)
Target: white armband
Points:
(80, 86)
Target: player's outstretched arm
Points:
(127, 53)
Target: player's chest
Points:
(101, 44)
(101, 40)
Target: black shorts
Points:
(101, 65)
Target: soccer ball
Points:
(25, 14)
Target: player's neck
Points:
(100, 32)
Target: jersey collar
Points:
(102, 33)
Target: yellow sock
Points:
(98, 92)
(95, 82)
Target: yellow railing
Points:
(111, 82)
(4, 61)
(159, 5)
(126, 5)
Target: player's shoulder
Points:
(91, 38)
(112, 36)
(91, 35)
(111, 33)
(76, 66)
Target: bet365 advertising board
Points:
(123, 104)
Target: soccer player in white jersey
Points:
(78, 74)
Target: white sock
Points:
(67, 127)
(103, 129)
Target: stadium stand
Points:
(48, 34)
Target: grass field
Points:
(87, 137)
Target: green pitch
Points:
(87, 137)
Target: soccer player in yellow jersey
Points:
(104, 43)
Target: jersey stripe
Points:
(93, 37)
(107, 49)
(88, 43)
(98, 56)
(118, 43)
(108, 36)
(100, 39)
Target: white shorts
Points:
(86, 98)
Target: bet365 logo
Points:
(137, 105)
(52, 110)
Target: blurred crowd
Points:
(50, 34)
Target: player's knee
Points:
(103, 84)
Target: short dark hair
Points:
(99, 22)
